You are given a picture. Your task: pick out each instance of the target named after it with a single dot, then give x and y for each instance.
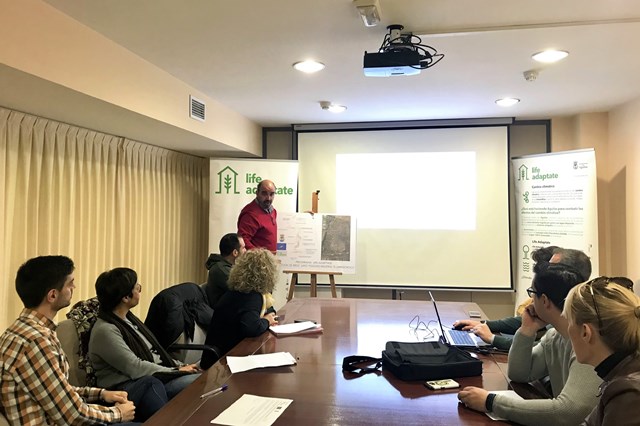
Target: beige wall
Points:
(40, 41)
(615, 136)
(624, 178)
(581, 132)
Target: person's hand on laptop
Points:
(482, 331)
(465, 324)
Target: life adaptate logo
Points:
(523, 172)
(227, 181)
(525, 196)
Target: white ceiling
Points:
(240, 53)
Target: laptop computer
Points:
(457, 337)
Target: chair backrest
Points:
(189, 356)
(180, 314)
(68, 336)
(3, 420)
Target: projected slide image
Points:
(336, 238)
(429, 207)
(411, 190)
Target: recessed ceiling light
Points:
(507, 102)
(309, 66)
(335, 108)
(550, 56)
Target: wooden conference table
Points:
(322, 394)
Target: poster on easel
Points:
(557, 205)
(317, 242)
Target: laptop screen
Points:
(444, 336)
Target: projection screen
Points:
(431, 205)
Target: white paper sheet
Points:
(252, 410)
(294, 327)
(510, 394)
(238, 364)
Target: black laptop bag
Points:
(428, 361)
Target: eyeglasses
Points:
(595, 306)
(602, 282)
(531, 291)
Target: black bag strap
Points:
(350, 364)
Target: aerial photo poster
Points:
(317, 243)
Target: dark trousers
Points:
(147, 393)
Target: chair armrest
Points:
(193, 347)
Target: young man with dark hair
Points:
(574, 385)
(34, 370)
(219, 265)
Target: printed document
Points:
(238, 364)
(252, 410)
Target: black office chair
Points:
(179, 317)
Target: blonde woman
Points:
(243, 311)
(604, 327)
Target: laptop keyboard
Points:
(462, 338)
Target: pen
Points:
(215, 391)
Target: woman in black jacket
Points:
(246, 309)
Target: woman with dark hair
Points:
(124, 352)
(246, 309)
(604, 328)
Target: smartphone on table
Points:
(441, 384)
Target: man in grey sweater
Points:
(508, 326)
(574, 386)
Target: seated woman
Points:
(604, 327)
(243, 311)
(124, 352)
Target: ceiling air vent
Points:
(196, 108)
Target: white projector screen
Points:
(431, 205)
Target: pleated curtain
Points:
(104, 201)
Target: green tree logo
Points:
(523, 172)
(227, 181)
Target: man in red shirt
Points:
(257, 223)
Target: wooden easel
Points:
(314, 201)
(313, 290)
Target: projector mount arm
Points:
(396, 41)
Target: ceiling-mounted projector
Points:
(387, 64)
(400, 54)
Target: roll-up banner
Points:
(557, 205)
(233, 184)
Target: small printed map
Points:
(320, 242)
(336, 238)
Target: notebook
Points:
(456, 337)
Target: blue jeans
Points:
(147, 393)
(176, 385)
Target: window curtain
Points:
(102, 200)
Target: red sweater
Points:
(257, 227)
